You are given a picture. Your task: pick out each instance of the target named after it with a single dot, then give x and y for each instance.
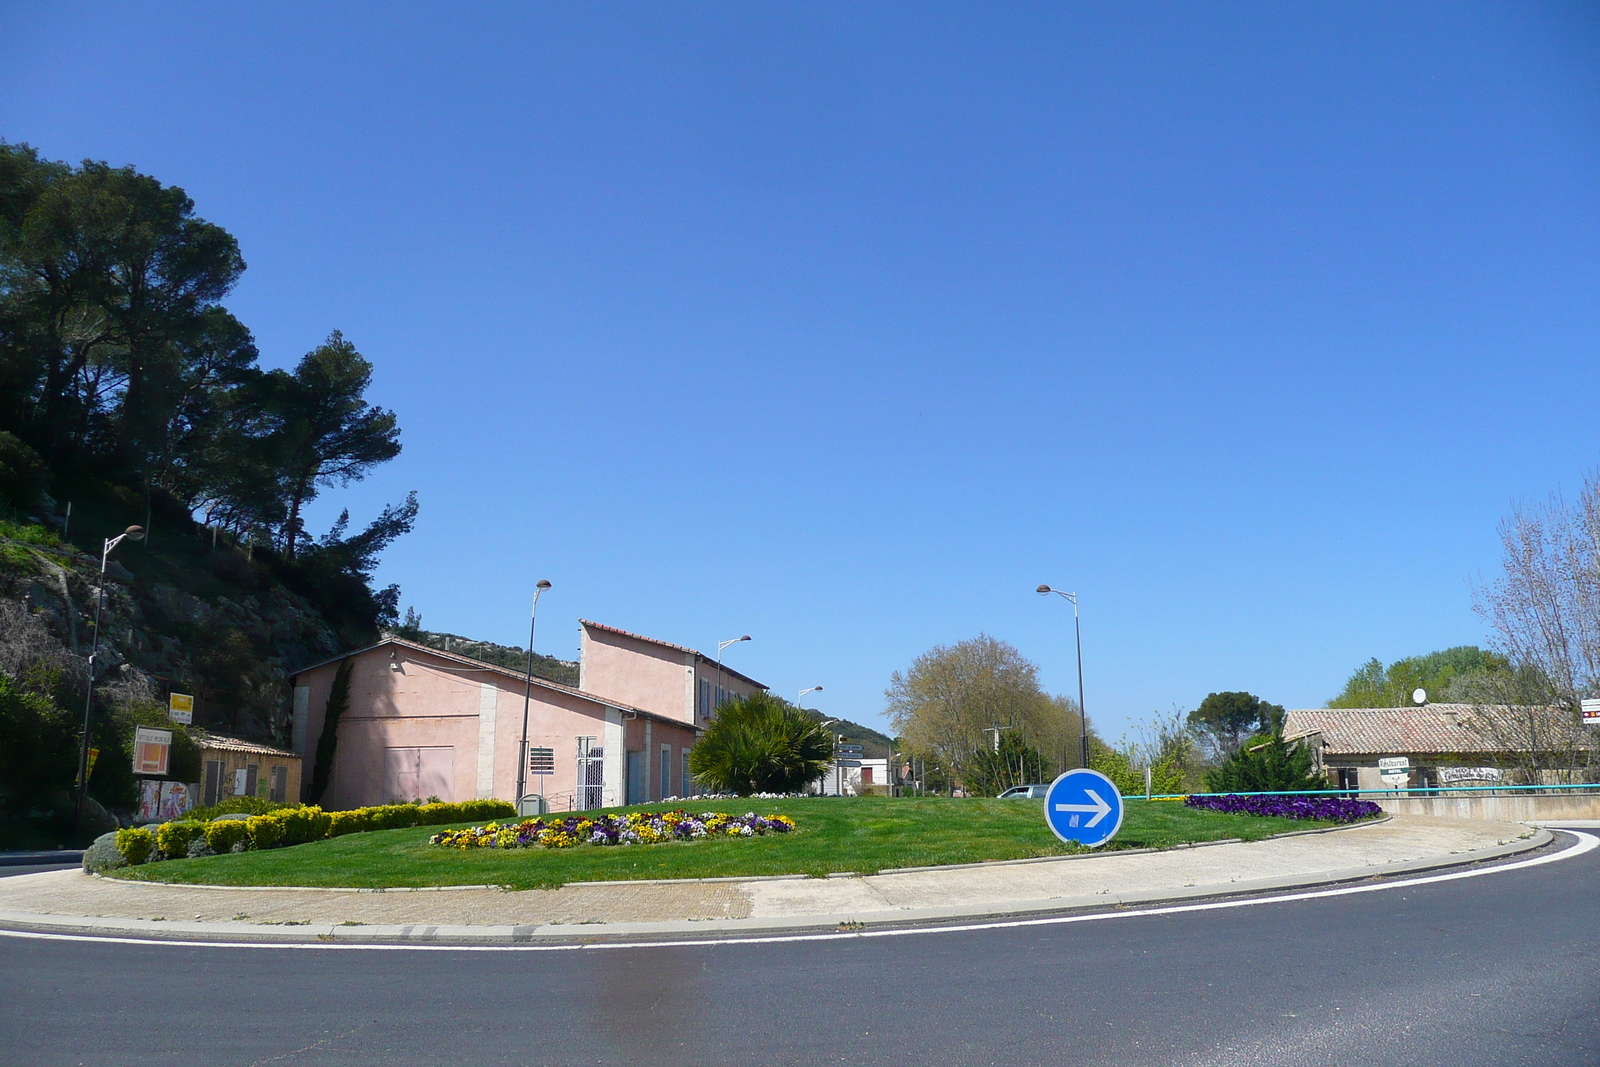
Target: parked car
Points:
(1025, 792)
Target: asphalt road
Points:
(1499, 970)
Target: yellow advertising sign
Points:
(180, 708)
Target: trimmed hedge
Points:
(136, 844)
(293, 826)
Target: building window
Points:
(280, 784)
(591, 775)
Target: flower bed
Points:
(1327, 809)
(634, 828)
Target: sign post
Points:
(180, 708)
(541, 761)
(1083, 806)
(1394, 770)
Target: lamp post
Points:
(527, 695)
(802, 696)
(717, 700)
(1083, 714)
(132, 533)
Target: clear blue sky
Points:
(847, 325)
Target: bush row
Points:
(289, 826)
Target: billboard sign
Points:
(151, 749)
(180, 708)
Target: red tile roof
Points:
(217, 742)
(1439, 729)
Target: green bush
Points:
(304, 824)
(349, 822)
(284, 825)
(135, 844)
(173, 837)
(1265, 766)
(104, 855)
(266, 831)
(239, 806)
(223, 834)
(760, 744)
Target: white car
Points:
(1025, 792)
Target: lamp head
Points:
(746, 637)
(1044, 590)
(134, 533)
(542, 585)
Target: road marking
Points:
(1586, 843)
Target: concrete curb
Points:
(417, 933)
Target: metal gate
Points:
(591, 775)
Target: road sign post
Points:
(1083, 806)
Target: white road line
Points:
(1586, 843)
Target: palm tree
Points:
(760, 744)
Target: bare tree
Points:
(1545, 608)
(946, 704)
(1545, 613)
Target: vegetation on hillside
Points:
(130, 395)
(561, 671)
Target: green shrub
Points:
(223, 834)
(480, 809)
(266, 831)
(104, 855)
(238, 806)
(173, 837)
(349, 822)
(1265, 766)
(760, 744)
(135, 844)
(304, 824)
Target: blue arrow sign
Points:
(1083, 806)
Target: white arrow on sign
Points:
(1100, 808)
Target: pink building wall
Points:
(460, 722)
(669, 679)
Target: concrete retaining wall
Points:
(1508, 808)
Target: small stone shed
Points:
(233, 768)
(1444, 744)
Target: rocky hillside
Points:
(177, 615)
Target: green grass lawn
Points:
(861, 834)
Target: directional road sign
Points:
(850, 749)
(1083, 806)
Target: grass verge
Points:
(860, 834)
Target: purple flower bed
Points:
(1329, 809)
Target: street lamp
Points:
(132, 533)
(527, 694)
(717, 703)
(1083, 714)
(802, 696)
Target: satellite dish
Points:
(1419, 696)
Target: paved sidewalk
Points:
(76, 901)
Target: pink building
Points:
(419, 722)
